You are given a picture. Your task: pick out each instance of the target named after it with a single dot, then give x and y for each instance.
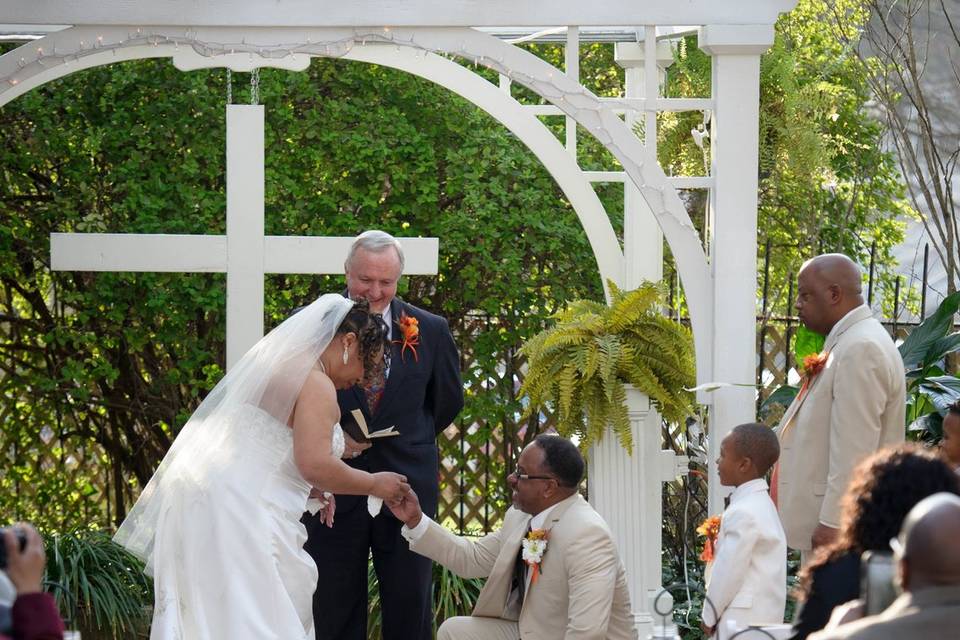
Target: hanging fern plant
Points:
(579, 366)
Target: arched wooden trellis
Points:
(719, 283)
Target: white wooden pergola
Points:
(421, 37)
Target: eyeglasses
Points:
(525, 476)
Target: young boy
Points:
(748, 580)
(950, 445)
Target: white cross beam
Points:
(245, 254)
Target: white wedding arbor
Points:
(421, 37)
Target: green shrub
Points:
(99, 586)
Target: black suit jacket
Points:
(832, 584)
(422, 396)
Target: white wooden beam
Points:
(359, 13)
(244, 229)
(303, 254)
(136, 252)
(734, 140)
(174, 253)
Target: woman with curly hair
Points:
(883, 489)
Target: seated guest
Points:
(552, 570)
(883, 489)
(928, 571)
(950, 445)
(35, 614)
(748, 578)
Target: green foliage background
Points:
(120, 360)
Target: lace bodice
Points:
(339, 445)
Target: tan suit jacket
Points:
(853, 407)
(928, 614)
(582, 590)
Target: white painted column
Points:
(734, 140)
(643, 240)
(245, 228)
(626, 490)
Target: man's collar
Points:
(552, 513)
(537, 521)
(852, 317)
(751, 486)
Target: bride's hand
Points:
(326, 513)
(328, 505)
(352, 448)
(389, 486)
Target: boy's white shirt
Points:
(747, 581)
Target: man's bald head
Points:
(930, 541)
(829, 287)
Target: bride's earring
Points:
(346, 356)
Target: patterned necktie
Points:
(373, 389)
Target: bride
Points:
(218, 525)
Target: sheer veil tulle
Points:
(268, 377)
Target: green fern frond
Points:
(580, 365)
(620, 420)
(566, 387)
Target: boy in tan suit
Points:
(552, 570)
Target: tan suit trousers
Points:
(471, 628)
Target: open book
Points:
(357, 428)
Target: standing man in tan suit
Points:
(574, 588)
(851, 403)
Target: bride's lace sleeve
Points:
(339, 445)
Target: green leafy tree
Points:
(826, 182)
(100, 370)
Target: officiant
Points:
(420, 395)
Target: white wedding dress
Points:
(218, 524)
(228, 558)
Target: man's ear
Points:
(551, 490)
(836, 293)
(903, 574)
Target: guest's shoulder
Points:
(863, 629)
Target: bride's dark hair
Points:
(371, 333)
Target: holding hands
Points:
(407, 510)
(390, 486)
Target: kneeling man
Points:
(552, 570)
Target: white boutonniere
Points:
(534, 546)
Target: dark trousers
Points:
(342, 554)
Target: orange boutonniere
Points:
(709, 528)
(534, 546)
(814, 363)
(410, 330)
